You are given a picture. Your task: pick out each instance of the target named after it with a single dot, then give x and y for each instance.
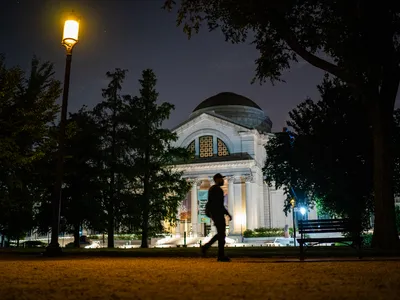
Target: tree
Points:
(159, 189)
(27, 107)
(356, 41)
(81, 205)
(328, 161)
(108, 118)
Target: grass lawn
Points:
(85, 277)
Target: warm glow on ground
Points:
(196, 278)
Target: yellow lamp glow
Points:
(71, 33)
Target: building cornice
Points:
(187, 168)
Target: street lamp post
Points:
(293, 203)
(69, 39)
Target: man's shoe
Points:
(224, 259)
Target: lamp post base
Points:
(53, 250)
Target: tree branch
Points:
(282, 27)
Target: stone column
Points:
(194, 204)
(256, 195)
(231, 202)
(249, 204)
(261, 202)
(238, 212)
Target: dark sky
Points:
(138, 34)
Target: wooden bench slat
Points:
(316, 227)
(321, 231)
(325, 240)
(325, 220)
(323, 227)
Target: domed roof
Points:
(226, 98)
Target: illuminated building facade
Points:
(227, 134)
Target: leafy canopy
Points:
(357, 41)
(159, 187)
(329, 159)
(27, 108)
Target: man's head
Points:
(219, 179)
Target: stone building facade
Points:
(227, 134)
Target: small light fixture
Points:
(303, 210)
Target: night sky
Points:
(138, 34)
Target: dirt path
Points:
(181, 278)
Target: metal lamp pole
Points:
(293, 203)
(70, 38)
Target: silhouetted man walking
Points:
(216, 210)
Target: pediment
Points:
(209, 120)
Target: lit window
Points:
(206, 146)
(222, 149)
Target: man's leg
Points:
(220, 224)
(206, 246)
(210, 242)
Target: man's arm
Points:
(226, 212)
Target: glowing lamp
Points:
(70, 34)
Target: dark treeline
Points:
(116, 177)
(325, 156)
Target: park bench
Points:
(307, 227)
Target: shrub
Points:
(264, 232)
(367, 239)
(125, 237)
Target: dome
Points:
(226, 98)
(235, 108)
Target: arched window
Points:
(206, 146)
(222, 149)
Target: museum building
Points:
(227, 134)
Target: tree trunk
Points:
(145, 230)
(146, 200)
(76, 236)
(385, 233)
(111, 210)
(110, 227)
